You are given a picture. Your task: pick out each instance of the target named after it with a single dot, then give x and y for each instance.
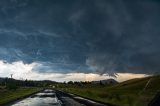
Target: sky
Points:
(79, 40)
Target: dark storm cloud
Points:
(95, 36)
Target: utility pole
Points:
(11, 76)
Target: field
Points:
(11, 95)
(135, 92)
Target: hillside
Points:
(105, 82)
(134, 92)
(140, 83)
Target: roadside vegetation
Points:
(135, 92)
(8, 95)
(12, 90)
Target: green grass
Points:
(10, 95)
(129, 93)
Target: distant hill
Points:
(105, 82)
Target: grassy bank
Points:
(11, 95)
(135, 92)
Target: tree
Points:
(70, 82)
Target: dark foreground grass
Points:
(136, 92)
(10, 95)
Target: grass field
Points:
(135, 92)
(10, 95)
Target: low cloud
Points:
(102, 64)
(22, 71)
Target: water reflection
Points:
(46, 98)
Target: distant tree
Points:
(26, 82)
(70, 82)
(101, 83)
(11, 84)
(64, 82)
(111, 82)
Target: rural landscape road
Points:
(64, 99)
(70, 99)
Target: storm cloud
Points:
(93, 36)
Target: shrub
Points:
(11, 86)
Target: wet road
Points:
(54, 98)
(69, 98)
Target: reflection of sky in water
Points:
(36, 101)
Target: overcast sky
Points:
(50, 39)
